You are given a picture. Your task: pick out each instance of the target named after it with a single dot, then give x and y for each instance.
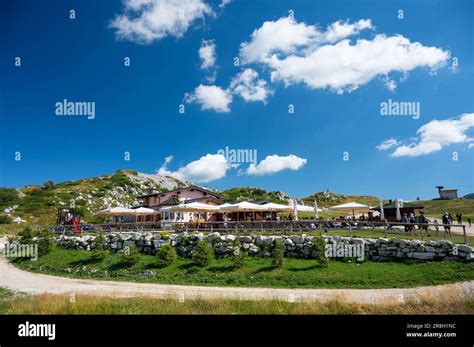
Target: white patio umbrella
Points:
(295, 209)
(382, 213)
(278, 207)
(144, 211)
(191, 207)
(116, 211)
(315, 209)
(398, 214)
(243, 206)
(351, 206)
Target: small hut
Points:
(390, 209)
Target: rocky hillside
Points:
(253, 194)
(38, 204)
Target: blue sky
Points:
(337, 108)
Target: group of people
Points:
(447, 220)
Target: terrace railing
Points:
(277, 227)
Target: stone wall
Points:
(298, 246)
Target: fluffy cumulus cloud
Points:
(146, 21)
(387, 144)
(210, 97)
(206, 169)
(247, 85)
(436, 134)
(283, 35)
(275, 163)
(207, 53)
(300, 53)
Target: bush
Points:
(25, 236)
(99, 242)
(165, 255)
(130, 255)
(45, 241)
(238, 255)
(277, 254)
(4, 219)
(98, 247)
(319, 246)
(8, 197)
(203, 255)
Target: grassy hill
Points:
(328, 199)
(253, 193)
(38, 204)
(438, 207)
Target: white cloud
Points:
(207, 168)
(300, 53)
(436, 134)
(145, 21)
(275, 163)
(471, 145)
(211, 98)
(283, 35)
(339, 30)
(249, 87)
(207, 53)
(387, 144)
(224, 3)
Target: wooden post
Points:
(350, 229)
(465, 235)
(385, 229)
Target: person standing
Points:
(412, 222)
(459, 217)
(423, 221)
(405, 221)
(469, 221)
(436, 223)
(75, 222)
(447, 223)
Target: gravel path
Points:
(34, 283)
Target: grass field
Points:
(11, 303)
(437, 208)
(256, 272)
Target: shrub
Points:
(277, 254)
(99, 242)
(25, 236)
(130, 255)
(165, 255)
(8, 197)
(203, 255)
(98, 247)
(319, 247)
(4, 219)
(45, 241)
(238, 255)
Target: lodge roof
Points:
(392, 205)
